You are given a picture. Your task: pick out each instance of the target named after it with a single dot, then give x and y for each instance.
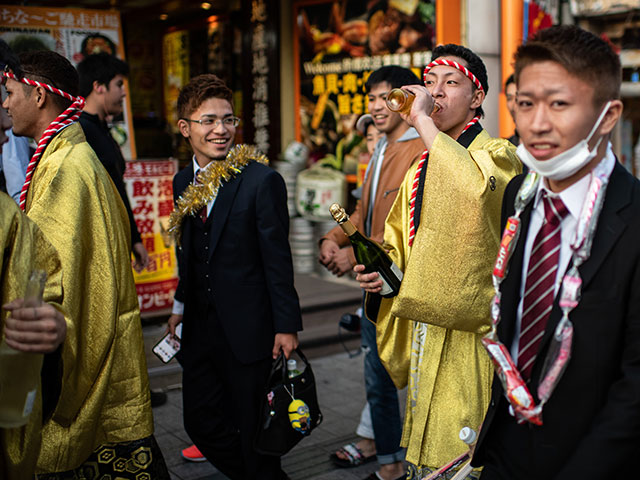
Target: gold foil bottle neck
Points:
(338, 213)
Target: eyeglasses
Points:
(211, 121)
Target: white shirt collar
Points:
(196, 167)
(573, 197)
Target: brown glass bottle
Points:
(400, 101)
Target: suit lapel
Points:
(610, 227)
(221, 209)
(183, 181)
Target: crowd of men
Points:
(518, 310)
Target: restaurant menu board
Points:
(336, 46)
(149, 186)
(73, 33)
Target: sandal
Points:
(354, 455)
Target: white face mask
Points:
(568, 162)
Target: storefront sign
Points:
(149, 186)
(336, 47)
(74, 34)
(175, 63)
(261, 84)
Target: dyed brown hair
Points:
(581, 53)
(200, 89)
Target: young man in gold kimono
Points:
(34, 331)
(443, 232)
(103, 417)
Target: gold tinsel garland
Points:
(211, 178)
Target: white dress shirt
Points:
(178, 306)
(573, 198)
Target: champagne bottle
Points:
(19, 371)
(370, 254)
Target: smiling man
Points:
(102, 78)
(574, 274)
(235, 297)
(443, 232)
(393, 155)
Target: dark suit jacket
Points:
(251, 273)
(592, 421)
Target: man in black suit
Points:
(236, 282)
(568, 91)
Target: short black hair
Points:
(511, 79)
(7, 57)
(52, 68)
(579, 52)
(474, 64)
(101, 68)
(394, 75)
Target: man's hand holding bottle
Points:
(369, 282)
(34, 329)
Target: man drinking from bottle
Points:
(443, 231)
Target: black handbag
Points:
(281, 428)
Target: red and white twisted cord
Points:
(451, 63)
(416, 183)
(66, 118)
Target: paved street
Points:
(341, 394)
(339, 380)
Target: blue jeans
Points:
(382, 396)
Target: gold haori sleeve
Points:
(448, 280)
(105, 388)
(25, 249)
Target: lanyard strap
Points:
(559, 353)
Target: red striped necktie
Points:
(540, 284)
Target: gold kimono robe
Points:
(105, 389)
(429, 335)
(24, 249)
